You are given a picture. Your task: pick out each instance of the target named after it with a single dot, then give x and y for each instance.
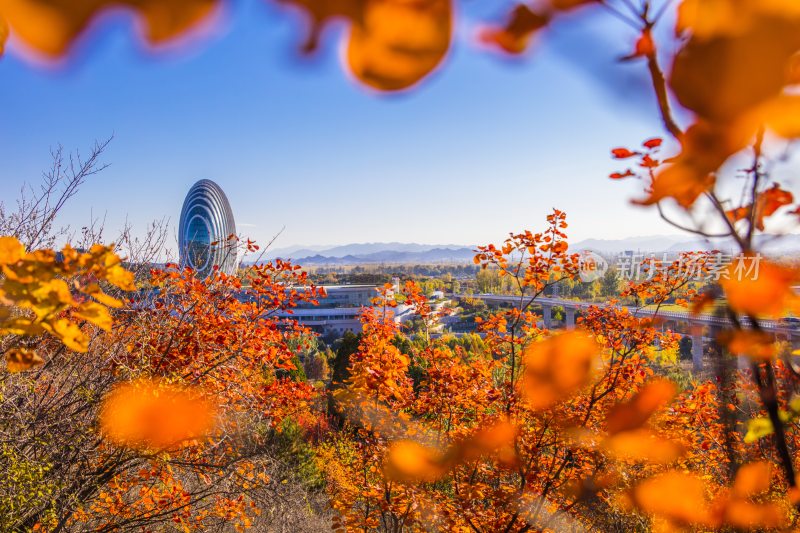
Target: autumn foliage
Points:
(171, 391)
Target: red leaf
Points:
(652, 143)
(618, 176)
(645, 46)
(622, 153)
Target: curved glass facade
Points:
(205, 225)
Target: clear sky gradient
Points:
(484, 147)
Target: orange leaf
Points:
(641, 445)
(674, 495)
(752, 479)
(152, 414)
(565, 5)
(705, 146)
(755, 344)
(557, 367)
(497, 439)
(516, 35)
(758, 287)
(739, 213)
(682, 182)
(780, 114)
(19, 359)
(723, 77)
(3, 35)
(408, 461)
(51, 26)
(746, 515)
(770, 201)
(708, 19)
(635, 412)
(396, 43)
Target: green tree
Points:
(347, 346)
(685, 348)
(609, 283)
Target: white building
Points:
(339, 310)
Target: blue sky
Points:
(484, 147)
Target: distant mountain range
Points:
(434, 255)
(410, 253)
(374, 253)
(768, 244)
(357, 249)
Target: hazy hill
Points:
(653, 243)
(399, 252)
(370, 251)
(435, 255)
(769, 244)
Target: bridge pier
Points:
(790, 335)
(697, 349)
(697, 353)
(673, 320)
(569, 313)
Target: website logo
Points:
(592, 266)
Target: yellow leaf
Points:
(21, 326)
(121, 278)
(105, 299)
(96, 314)
(69, 333)
(53, 293)
(11, 250)
(758, 428)
(94, 290)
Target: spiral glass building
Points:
(205, 225)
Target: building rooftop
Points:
(341, 287)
